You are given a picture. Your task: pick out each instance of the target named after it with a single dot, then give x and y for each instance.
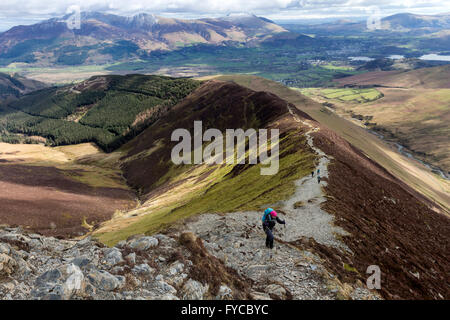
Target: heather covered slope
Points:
(54, 191)
(389, 224)
(218, 105)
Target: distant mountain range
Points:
(105, 38)
(408, 22)
(401, 22)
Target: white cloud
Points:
(22, 11)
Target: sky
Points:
(15, 12)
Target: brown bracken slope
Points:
(44, 200)
(390, 224)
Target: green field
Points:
(344, 94)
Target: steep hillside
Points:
(53, 192)
(409, 171)
(357, 215)
(106, 110)
(106, 38)
(170, 192)
(13, 87)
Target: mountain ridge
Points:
(103, 35)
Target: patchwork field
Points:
(415, 116)
(55, 191)
(343, 94)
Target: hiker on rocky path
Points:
(268, 223)
(318, 179)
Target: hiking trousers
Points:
(269, 237)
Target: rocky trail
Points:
(238, 240)
(212, 256)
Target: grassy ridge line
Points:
(410, 172)
(217, 189)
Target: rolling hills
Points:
(106, 110)
(365, 192)
(406, 23)
(387, 222)
(413, 111)
(13, 87)
(51, 191)
(106, 38)
(411, 172)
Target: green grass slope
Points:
(171, 193)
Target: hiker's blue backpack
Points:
(266, 212)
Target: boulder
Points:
(75, 283)
(131, 258)
(165, 287)
(112, 256)
(178, 280)
(176, 268)
(81, 262)
(276, 291)
(103, 280)
(84, 242)
(48, 291)
(5, 248)
(143, 243)
(51, 276)
(225, 293)
(193, 290)
(143, 269)
(7, 265)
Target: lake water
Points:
(361, 58)
(435, 57)
(396, 57)
(430, 57)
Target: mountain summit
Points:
(107, 37)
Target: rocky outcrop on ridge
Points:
(169, 267)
